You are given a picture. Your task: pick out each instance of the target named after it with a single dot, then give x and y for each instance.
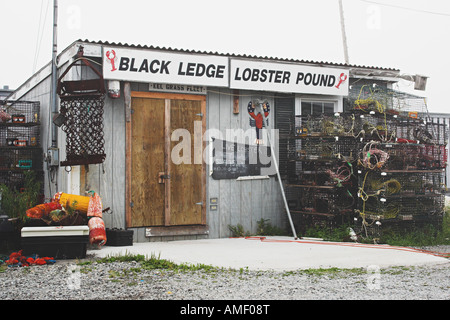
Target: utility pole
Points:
(54, 73)
(344, 36)
(53, 151)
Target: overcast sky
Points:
(409, 35)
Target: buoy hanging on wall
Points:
(114, 89)
(95, 208)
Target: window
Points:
(317, 108)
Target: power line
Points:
(37, 38)
(344, 35)
(407, 8)
(41, 33)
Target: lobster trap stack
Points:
(402, 161)
(20, 142)
(322, 184)
(380, 163)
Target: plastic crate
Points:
(119, 237)
(58, 242)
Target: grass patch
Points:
(263, 228)
(428, 235)
(156, 263)
(338, 234)
(425, 235)
(330, 272)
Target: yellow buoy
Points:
(75, 202)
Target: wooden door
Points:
(147, 160)
(186, 177)
(165, 191)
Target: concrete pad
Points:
(276, 253)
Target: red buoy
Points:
(97, 231)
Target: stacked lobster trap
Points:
(20, 142)
(379, 163)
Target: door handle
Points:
(199, 203)
(162, 176)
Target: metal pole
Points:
(344, 35)
(54, 73)
(275, 162)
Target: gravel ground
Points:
(72, 280)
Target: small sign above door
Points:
(177, 88)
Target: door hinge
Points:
(132, 204)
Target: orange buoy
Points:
(42, 210)
(95, 207)
(97, 231)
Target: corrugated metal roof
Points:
(290, 60)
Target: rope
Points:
(369, 153)
(352, 244)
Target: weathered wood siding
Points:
(108, 179)
(240, 202)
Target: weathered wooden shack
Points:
(168, 174)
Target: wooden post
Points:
(236, 101)
(167, 131)
(127, 98)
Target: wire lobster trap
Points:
(20, 112)
(81, 108)
(20, 124)
(384, 100)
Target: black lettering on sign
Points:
(152, 66)
(246, 74)
(124, 62)
(200, 70)
(300, 77)
(308, 78)
(258, 75)
(324, 81)
(220, 72)
(255, 75)
(132, 68)
(190, 69)
(210, 71)
(331, 81)
(286, 77)
(180, 70)
(321, 80)
(263, 76)
(236, 75)
(144, 66)
(165, 67)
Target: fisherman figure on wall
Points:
(255, 109)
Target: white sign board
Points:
(280, 77)
(163, 67)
